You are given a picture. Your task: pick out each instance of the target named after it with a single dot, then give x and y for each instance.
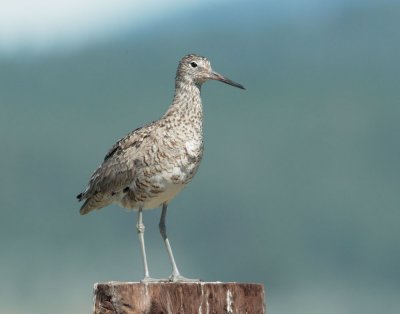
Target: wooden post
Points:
(182, 298)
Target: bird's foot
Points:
(149, 279)
(180, 278)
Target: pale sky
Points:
(37, 25)
(46, 25)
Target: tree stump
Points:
(174, 298)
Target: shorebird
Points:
(148, 167)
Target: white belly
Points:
(162, 185)
(161, 188)
(170, 183)
(171, 190)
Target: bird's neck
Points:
(186, 105)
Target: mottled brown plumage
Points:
(152, 164)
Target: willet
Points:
(152, 164)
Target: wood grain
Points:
(178, 298)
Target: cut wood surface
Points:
(182, 298)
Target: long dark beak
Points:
(218, 77)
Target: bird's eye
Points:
(193, 64)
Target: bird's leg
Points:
(140, 229)
(176, 276)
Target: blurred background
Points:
(299, 185)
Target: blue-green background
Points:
(299, 185)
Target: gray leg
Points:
(176, 276)
(140, 229)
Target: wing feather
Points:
(116, 172)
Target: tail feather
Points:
(93, 203)
(80, 197)
(86, 208)
(87, 205)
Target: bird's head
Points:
(197, 69)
